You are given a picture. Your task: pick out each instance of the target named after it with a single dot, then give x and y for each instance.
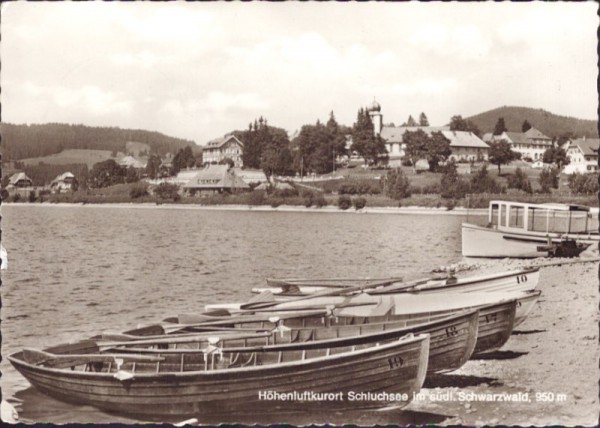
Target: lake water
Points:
(76, 271)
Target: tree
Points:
(266, 147)
(526, 126)
(106, 173)
(519, 180)
(153, 166)
(416, 143)
(451, 185)
(500, 127)
(423, 121)
(457, 123)
(500, 154)
(396, 184)
(586, 184)
(411, 121)
(438, 150)
(483, 182)
(167, 191)
(184, 158)
(549, 178)
(556, 156)
(364, 141)
(419, 145)
(131, 175)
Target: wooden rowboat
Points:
(221, 381)
(517, 280)
(452, 342)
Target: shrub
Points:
(319, 200)
(362, 187)
(138, 191)
(344, 202)
(585, 184)
(450, 205)
(274, 201)
(396, 185)
(483, 182)
(451, 185)
(359, 203)
(285, 193)
(32, 196)
(519, 180)
(549, 178)
(16, 197)
(167, 191)
(257, 197)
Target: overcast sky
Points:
(198, 71)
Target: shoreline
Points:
(460, 211)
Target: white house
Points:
(466, 146)
(531, 144)
(64, 183)
(393, 137)
(583, 155)
(222, 148)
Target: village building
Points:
(393, 137)
(531, 144)
(64, 183)
(227, 147)
(19, 184)
(583, 155)
(466, 146)
(131, 161)
(251, 176)
(215, 179)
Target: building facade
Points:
(466, 146)
(531, 144)
(583, 155)
(227, 147)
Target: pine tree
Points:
(500, 127)
(423, 121)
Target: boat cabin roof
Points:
(546, 206)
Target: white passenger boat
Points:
(523, 230)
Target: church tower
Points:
(376, 117)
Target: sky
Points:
(200, 70)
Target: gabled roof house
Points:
(215, 179)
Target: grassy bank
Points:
(122, 193)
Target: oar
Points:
(404, 286)
(130, 337)
(37, 357)
(187, 339)
(325, 293)
(248, 317)
(325, 282)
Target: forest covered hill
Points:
(32, 141)
(548, 123)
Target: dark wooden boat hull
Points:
(452, 340)
(395, 368)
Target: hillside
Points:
(72, 156)
(550, 124)
(32, 141)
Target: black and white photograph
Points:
(299, 213)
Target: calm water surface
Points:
(76, 271)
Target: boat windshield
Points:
(539, 218)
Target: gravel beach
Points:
(547, 372)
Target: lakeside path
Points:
(460, 211)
